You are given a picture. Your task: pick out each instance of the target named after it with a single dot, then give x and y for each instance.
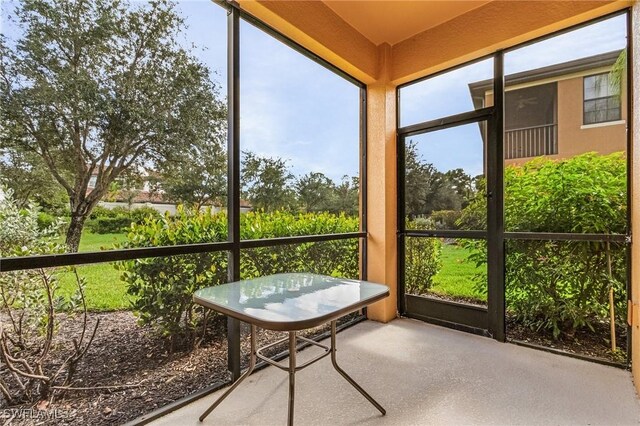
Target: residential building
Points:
(560, 110)
(149, 195)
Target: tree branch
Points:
(50, 315)
(9, 362)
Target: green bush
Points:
(553, 285)
(45, 220)
(120, 211)
(139, 215)
(109, 225)
(100, 211)
(163, 287)
(112, 221)
(563, 286)
(446, 219)
(422, 259)
(338, 258)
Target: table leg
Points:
(292, 375)
(252, 364)
(345, 375)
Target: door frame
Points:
(491, 321)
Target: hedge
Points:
(164, 287)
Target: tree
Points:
(347, 196)
(315, 192)
(126, 187)
(462, 184)
(417, 173)
(197, 176)
(29, 179)
(428, 190)
(266, 182)
(617, 73)
(98, 87)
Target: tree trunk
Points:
(75, 231)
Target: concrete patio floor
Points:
(424, 374)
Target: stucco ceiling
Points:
(389, 21)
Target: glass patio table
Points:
(290, 302)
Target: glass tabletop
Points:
(292, 301)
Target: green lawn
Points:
(104, 290)
(455, 278)
(97, 242)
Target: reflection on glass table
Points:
(291, 302)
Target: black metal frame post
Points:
(233, 194)
(401, 208)
(495, 203)
(362, 181)
(234, 156)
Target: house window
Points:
(601, 99)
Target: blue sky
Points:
(290, 106)
(295, 109)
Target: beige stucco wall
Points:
(573, 139)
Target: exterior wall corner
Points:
(381, 187)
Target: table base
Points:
(292, 367)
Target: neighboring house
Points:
(561, 110)
(148, 197)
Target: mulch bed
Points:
(593, 344)
(124, 353)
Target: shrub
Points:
(45, 221)
(422, 259)
(109, 225)
(421, 223)
(100, 211)
(446, 219)
(30, 304)
(338, 258)
(139, 215)
(164, 286)
(118, 219)
(553, 285)
(120, 211)
(563, 286)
